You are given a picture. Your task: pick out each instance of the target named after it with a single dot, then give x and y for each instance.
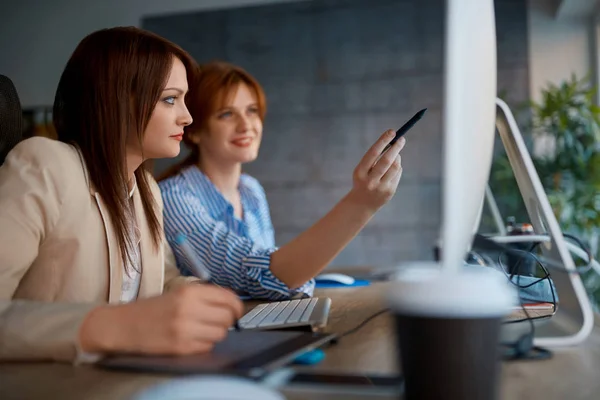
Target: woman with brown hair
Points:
(224, 214)
(82, 261)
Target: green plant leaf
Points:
(571, 175)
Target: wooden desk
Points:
(572, 374)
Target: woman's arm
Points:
(30, 205)
(31, 185)
(375, 181)
(188, 319)
(235, 261)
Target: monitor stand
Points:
(574, 319)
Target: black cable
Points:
(363, 323)
(549, 263)
(579, 242)
(489, 244)
(523, 348)
(516, 321)
(518, 283)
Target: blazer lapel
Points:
(115, 269)
(151, 257)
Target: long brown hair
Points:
(108, 90)
(214, 88)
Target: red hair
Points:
(214, 88)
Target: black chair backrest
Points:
(11, 117)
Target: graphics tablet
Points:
(246, 353)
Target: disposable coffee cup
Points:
(448, 327)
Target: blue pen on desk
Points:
(196, 263)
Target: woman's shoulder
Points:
(253, 192)
(48, 157)
(173, 182)
(45, 152)
(47, 163)
(252, 184)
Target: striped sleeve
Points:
(234, 261)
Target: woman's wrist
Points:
(98, 330)
(361, 205)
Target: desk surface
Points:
(572, 373)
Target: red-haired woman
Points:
(224, 213)
(82, 261)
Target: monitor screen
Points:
(469, 121)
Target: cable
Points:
(560, 268)
(518, 283)
(363, 323)
(582, 245)
(518, 264)
(523, 348)
(537, 240)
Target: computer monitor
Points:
(470, 107)
(469, 122)
(574, 319)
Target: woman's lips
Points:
(242, 142)
(179, 136)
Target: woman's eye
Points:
(253, 110)
(170, 100)
(225, 114)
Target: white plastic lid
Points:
(425, 289)
(209, 387)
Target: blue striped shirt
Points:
(236, 252)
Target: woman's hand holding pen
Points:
(377, 175)
(190, 319)
(376, 178)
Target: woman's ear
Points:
(194, 137)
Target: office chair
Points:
(11, 117)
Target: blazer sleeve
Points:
(33, 183)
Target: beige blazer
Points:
(59, 256)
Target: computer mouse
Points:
(209, 387)
(335, 278)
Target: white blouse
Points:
(132, 272)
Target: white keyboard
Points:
(311, 313)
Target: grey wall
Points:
(336, 75)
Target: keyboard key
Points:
(253, 323)
(252, 313)
(268, 320)
(283, 313)
(306, 315)
(282, 318)
(295, 317)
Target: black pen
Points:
(197, 265)
(405, 128)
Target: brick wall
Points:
(336, 75)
